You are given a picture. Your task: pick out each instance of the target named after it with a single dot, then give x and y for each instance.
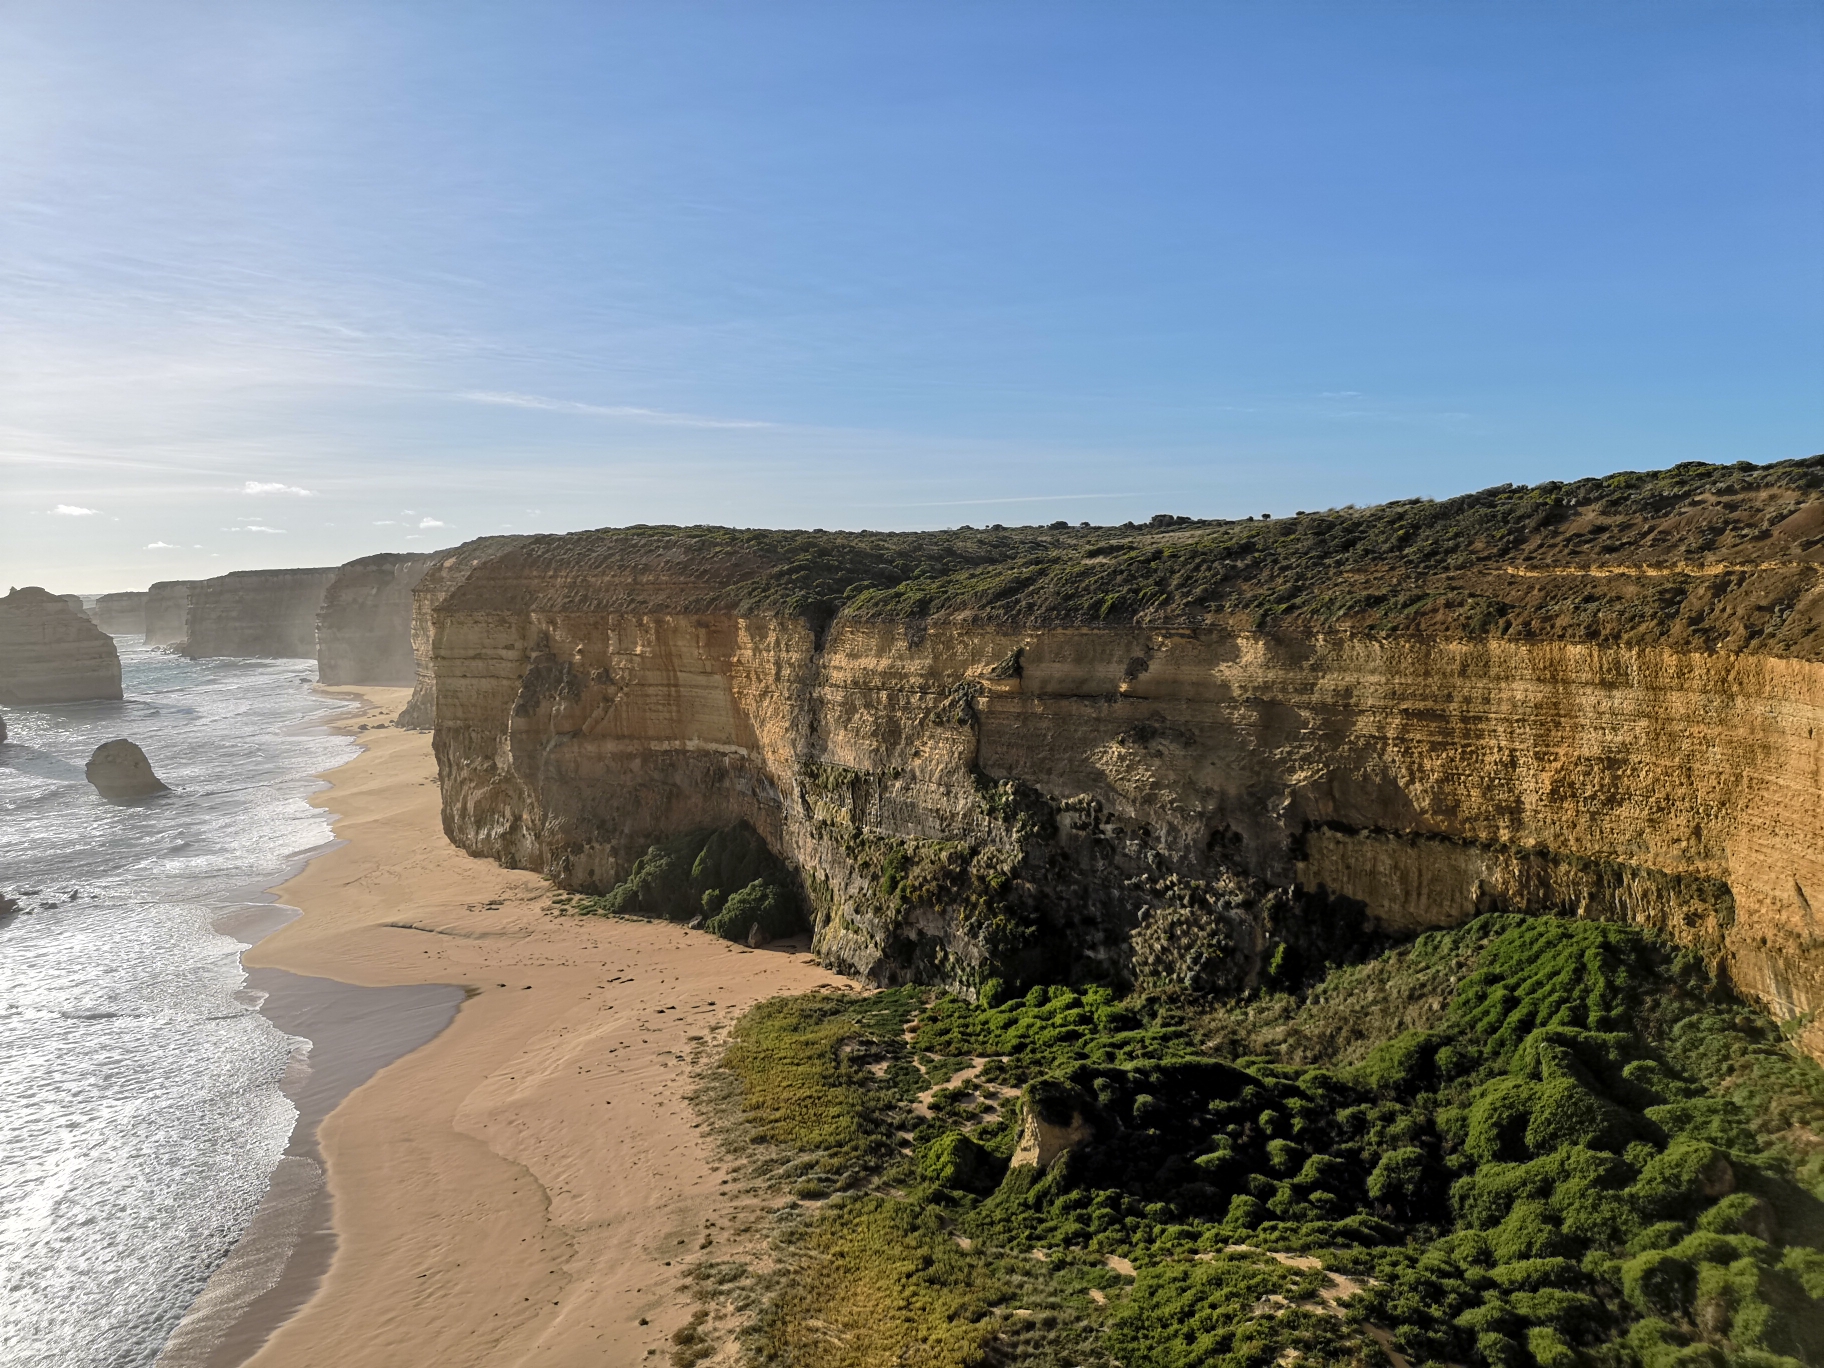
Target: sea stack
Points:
(51, 653)
(120, 772)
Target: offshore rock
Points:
(167, 611)
(120, 772)
(1197, 755)
(266, 613)
(122, 614)
(364, 629)
(51, 652)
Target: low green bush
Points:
(1537, 1177)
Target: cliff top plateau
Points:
(1692, 557)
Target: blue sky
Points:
(453, 268)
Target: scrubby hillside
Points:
(1526, 1141)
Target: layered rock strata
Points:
(364, 629)
(442, 577)
(1190, 753)
(122, 614)
(51, 652)
(271, 613)
(167, 611)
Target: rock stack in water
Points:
(120, 772)
(51, 652)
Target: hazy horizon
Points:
(285, 288)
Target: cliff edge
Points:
(1186, 753)
(270, 613)
(364, 628)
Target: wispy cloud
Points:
(385, 522)
(638, 415)
(72, 511)
(255, 527)
(274, 487)
(162, 546)
(431, 522)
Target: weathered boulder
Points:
(364, 629)
(51, 652)
(2, 730)
(1052, 1126)
(122, 614)
(167, 611)
(120, 772)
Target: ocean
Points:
(140, 1106)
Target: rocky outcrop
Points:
(2, 730)
(75, 601)
(447, 571)
(1200, 751)
(167, 611)
(120, 772)
(270, 613)
(51, 652)
(364, 629)
(122, 614)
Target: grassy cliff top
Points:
(1698, 555)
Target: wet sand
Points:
(526, 1187)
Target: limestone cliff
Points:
(167, 610)
(364, 629)
(51, 652)
(1189, 751)
(122, 614)
(256, 613)
(447, 571)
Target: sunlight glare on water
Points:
(140, 1111)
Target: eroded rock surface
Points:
(51, 653)
(270, 613)
(167, 611)
(120, 772)
(1007, 754)
(364, 628)
(445, 574)
(122, 614)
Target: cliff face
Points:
(122, 614)
(446, 572)
(1284, 738)
(256, 613)
(51, 652)
(167, 610)
(364, 629)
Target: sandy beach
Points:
(527, 1187)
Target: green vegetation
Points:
(1413, 564)
(1568, 1145)
(729, 877)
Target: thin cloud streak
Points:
(638, 415)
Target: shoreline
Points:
(526, 1183)
(350, 1033)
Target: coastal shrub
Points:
(728, 876)
(1502, 1180)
